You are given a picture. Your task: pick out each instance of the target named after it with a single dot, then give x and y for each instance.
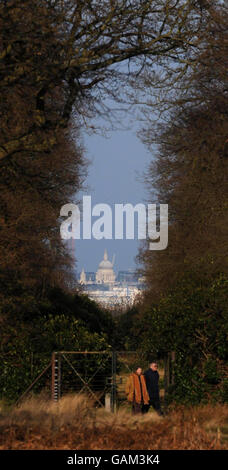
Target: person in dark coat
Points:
(152, 384)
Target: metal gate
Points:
(102, 375)
(87, 372)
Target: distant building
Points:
(90, 277)
(105, 273)
(129, 276)
(107, 288)
(87, 277)
(114, 295)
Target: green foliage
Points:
(27, 341)
(191, 320)
(122, 337)
(185, 308)
(24, 305)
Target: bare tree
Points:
(58, 62)
(190, 169)
(78, 47)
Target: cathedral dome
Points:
(105, 264)
(105, 271)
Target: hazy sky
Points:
(116, 165)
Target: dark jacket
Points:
(152, 379)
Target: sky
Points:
(115, 176)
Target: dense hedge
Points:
(192, 321)
(35, 329)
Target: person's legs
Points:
(156, 405)
(145, 408)
(136, 408)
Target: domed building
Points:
(105, 273)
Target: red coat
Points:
(133, 391)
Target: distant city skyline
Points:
(110, 288)
(91, 264)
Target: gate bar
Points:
(33, 383)
(55, 376)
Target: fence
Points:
(101, 375)
(88, 372)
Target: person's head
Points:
(138, 370)
(154, 365)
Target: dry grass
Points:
(74, 423)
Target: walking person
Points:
(136, 391)
(152, 384)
